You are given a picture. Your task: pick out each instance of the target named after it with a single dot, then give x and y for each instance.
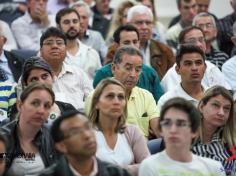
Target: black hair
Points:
(64, 12)
(128, 27)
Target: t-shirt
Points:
(161, 164)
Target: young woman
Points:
(30, 148)
(217, 130)
(117, 142)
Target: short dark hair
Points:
(187, 30)
(64, 12)
(57, 134)
(178, 2)
(184, 49)
(120, 52)
(52, 32)
(35, 62)
(186, 106)
(128, 27)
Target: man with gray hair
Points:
(207, 23)
(156, 54)
(142, 108)
(87, 36)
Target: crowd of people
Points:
(86, 89)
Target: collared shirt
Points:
(172, 35)
(217, 57)
(72, 86)
(216, 150)
(146, 54)
(95, 40)
(141, 108)
(4, 65)
(178, 91)
(86, 58)
(228, 69)
(28, 33)
(93, 173)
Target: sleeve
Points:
(230, 75)
(152, 109)
(98, 77)
(146, 169)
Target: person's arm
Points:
(153, 127)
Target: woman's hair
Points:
(229, 130)
(36, 86)
(117, 17)
(94, 112)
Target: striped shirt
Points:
(7, 97)
(215, 150)
(217, 57)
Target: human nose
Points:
(221, 111)
(173, 127)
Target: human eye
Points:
(66, 22)
(166, 123)
(128, 67)
(187, 63)
(121, 97)
(45, 76)
(216, 105)
(181, 123)
(47, 106)
(126, 42)
(138, 69)
(35, 103)
(110, 96)
(227, 109)
(75, 21)
(33, 79)
(199, 62)
(60, 42)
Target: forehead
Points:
(195, 33)
(131, 59)
(191, 57)
(141, 16)
(82, 10)
(185, 3)
(204, 20)
(37, 71)
(221, 99)
(37, 94)
(73, 122)
(70, 15)
(126, 35)
(176, 114)
(113, 88)
(204, 2)
(53, 38)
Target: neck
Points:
(208, 47)
(26, 132)
(143, 44)
(185, 23)
(183, 154)
(195, 90)
(82, 166)
(208, 132)
(108, 125)
(72, 46)
(56, 69)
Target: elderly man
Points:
(28, 28)
(142, 108)
(88, 36)
(74, 137)
(71, 84)
(156, 54)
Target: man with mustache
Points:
(78, 54)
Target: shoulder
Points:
(229, 63)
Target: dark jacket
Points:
(42, 140)
(15, 63)
(61, 168)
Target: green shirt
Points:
(148, 79)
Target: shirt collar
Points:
(28, 18)
(65, 69)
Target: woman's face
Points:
(216, 111)
(36, 107)
(124, 16)
(112, 101)
(40, 75)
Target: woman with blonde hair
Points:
(117, 142)
(217, 132)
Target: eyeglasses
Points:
(73, 21)
(180, 124)
(130, 68)
(193, 41)
(78, 130)
(207, 26)
(52, 42)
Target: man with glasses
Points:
(28, 28)
(156, 54)
(71, 84)
(142, 108)
(194, 35)
(207, 23)
(178, 125)
(78, 54)
(74, 137)
(191, 66)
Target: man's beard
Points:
(72, 35)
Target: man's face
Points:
(53, 50)
(188, 10)
(69, 24)
(128, 71)
(79, 138)
(37, 7)
(195, 37)
(129, 38)
(143, 23)
(208, 27)
(176, 130)
(192, 68)
(84, 19)
(203, 5)
(103, 6)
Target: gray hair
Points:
(81, 4)
(204, 14)
(141, 9)
(120, 52)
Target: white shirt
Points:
(121, 154)
(86, 58)
(213, 76)
(162, 165)
(72, 86)
(229, 70)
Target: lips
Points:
(195, 75)
(90, 145)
